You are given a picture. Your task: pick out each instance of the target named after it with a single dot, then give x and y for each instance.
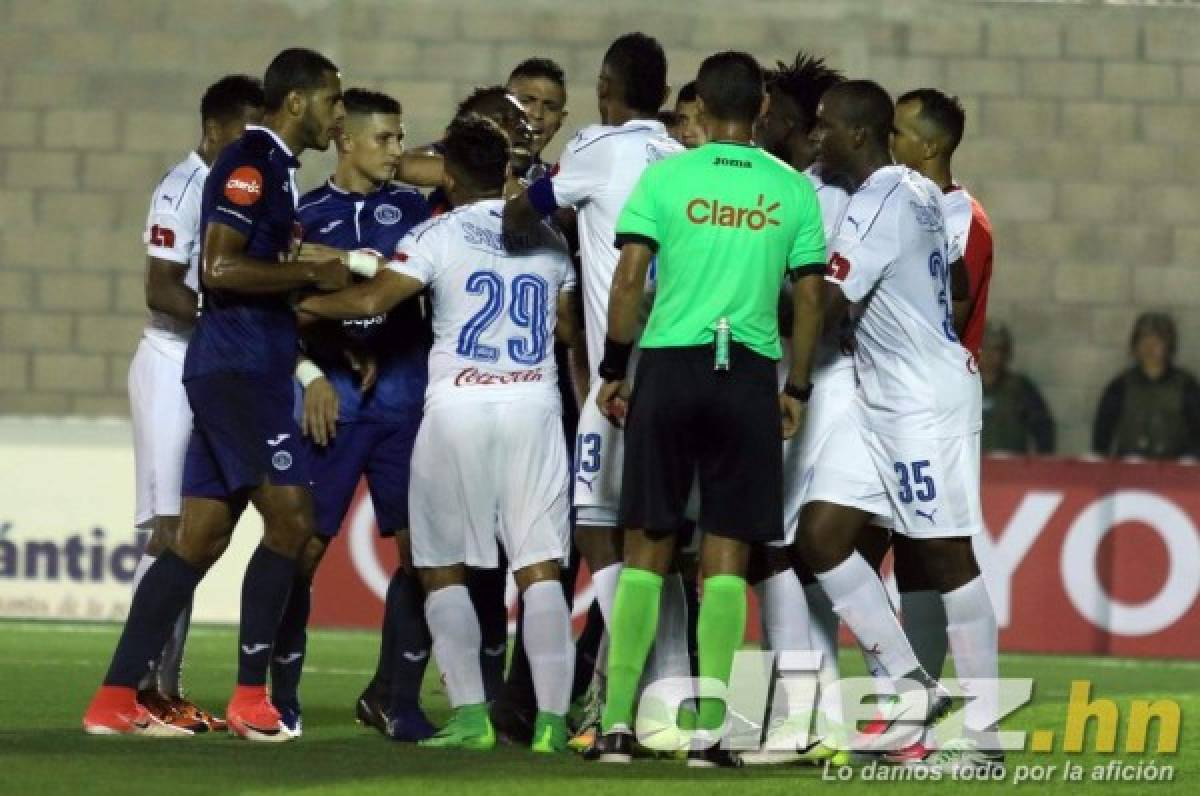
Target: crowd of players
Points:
(431, 343)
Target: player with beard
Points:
(245, 446)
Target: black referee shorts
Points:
(685, 419)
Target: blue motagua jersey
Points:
(252, 189)
(400, 339)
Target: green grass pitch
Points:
(48, 672)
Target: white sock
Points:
(669, 656)
(548, 643)
(139, 571)
(823, 631)
(923, 616)
(783, 609)
(784, 612)
(861, 601)
(605, 582)
(170, 667)
(971, 629)
(150, 679)
(456, 641)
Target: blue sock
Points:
(165, 590)
(291, 643)
(404, 623)
(265, 590)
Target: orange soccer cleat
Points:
(114, 710)
(252, 716)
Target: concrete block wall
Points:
(1081, 142)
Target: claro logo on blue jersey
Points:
(92, 559)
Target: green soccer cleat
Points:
(549, 733)
(469, 728)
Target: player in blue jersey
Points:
(245, 446)
(356, 428)
(162, 420)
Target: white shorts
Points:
(838, 467)
(162, 425)
(933, 484)
(599, 455)
(487, 469)
(841, 471)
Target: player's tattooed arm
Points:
(569, 333)
(628, 286)
(364, 300)
(167, 292)
(226, 266)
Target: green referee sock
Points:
(634, 622)
(719, 634)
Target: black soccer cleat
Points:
(513, 725)
(371, 708)
(612, 747)
(713, 757)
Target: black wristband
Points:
(801, 394)
(616, 360)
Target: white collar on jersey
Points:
(649, 124)
(194, 159)
(274, 135)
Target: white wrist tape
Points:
(363, 263)
(307, 373)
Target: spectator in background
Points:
(1153, 408)
(1015, 416)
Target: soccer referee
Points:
(727, 223)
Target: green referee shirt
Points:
(727, 221)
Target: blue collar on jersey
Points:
(292, 160)
(383, 186)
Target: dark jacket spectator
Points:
(1015, 416)
(1152, 410)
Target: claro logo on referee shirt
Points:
(712, 212)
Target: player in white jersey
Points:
(596, 174)
(489, 457)
(162, 419)
(918, 407)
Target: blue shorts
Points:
(243, 434)
(380, 451)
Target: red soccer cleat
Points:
(114, 710)
(252, 716)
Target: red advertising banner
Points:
(1080, 557)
